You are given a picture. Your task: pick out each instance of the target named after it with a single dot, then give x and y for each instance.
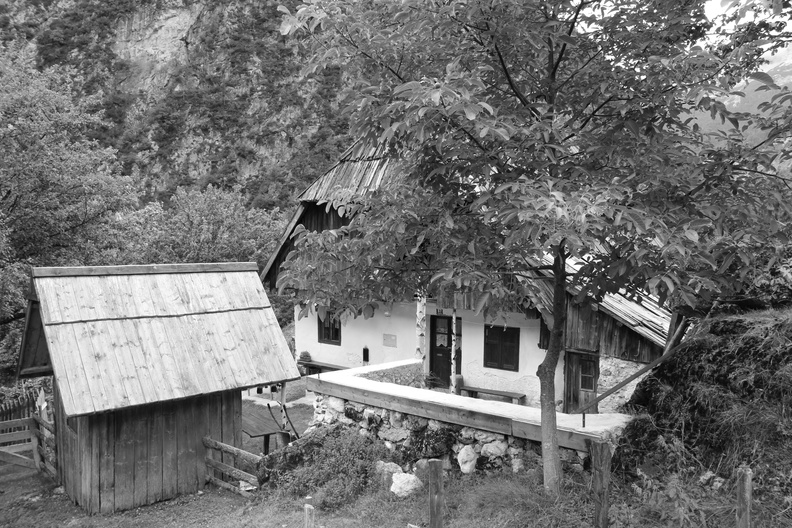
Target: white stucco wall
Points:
(360, 332)
(377, 333)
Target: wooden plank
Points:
(153, 335)
(197, 432)
(85, 460)
(248, 458)
(148, 360)
(232, 472)
(195, 348)
(17, 422)
(16, 436)
(131, 379)
(141, 437)
(568, 439)
(155, 445)
(106, 448)
(144, 269)
(61, 375)
(112, 369)
(144, 371)
(17, 460)
(95, 425)
(186, 447)
(227, 425)
(230, 487)
(170, 451)
(214, 419)
(235, 344)
(19, 448)
(124, 462)
(284, 239)
(425, 409)
(92, 359)
(174, 345)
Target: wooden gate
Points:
(28, 441)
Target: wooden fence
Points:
(231, 477)
(22, 407)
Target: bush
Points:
(334, 465)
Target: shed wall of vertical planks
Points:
(123, 459)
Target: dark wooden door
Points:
(580, 381)
(440, 349)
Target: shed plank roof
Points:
(123, 339)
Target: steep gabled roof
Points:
(355, 172)
(121, 336)
(369, 171)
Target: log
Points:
(230, 487)
(744, 496)
(232, 472)
(436, 494)
(601, 454)
(249, 458)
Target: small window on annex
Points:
(329, 329)
(502, 348)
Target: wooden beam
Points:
(249, 458)
(18, 422)
(44, 423)
(570, 439)
(601, 454)
(94, 271)
(232, 472)
(17, 460)
(434, 411)
(230, 487)
(286, 234)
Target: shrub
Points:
(334, 465)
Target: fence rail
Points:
(10, 412)
(233, 474)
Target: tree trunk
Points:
(550, 453)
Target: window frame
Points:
(335, 325)
(508, 338)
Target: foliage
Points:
(336, 466)
(723, 400)
(535, 132)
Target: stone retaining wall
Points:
(420, 438)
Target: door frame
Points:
(432, 346)
(572, 383)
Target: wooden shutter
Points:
(492, 349)
(510, 349)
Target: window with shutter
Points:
(502, 348)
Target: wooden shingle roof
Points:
(120, 336)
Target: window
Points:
(588, 374)
(502, 348)
(329, 329)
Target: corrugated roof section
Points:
(356, 173)
(123, 336)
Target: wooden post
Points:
(436, 494)
(744, 496)
(308, 516)
(601, 454)
(453, 348)
(34, 439)
(420, 332)
(284, 425)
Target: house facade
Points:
(604, 342)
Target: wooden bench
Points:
(516, 397)
(316, 367)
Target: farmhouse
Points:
(605, 342)
(147, 360)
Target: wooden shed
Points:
(147, 360)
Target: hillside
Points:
(722, 401)
(196, 92)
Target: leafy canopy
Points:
(546, 128)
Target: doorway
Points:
(440, 350)
(580, 381)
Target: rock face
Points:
(154, 41)
(405, 484)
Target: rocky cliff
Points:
(195, 92)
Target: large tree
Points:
(540, 131)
